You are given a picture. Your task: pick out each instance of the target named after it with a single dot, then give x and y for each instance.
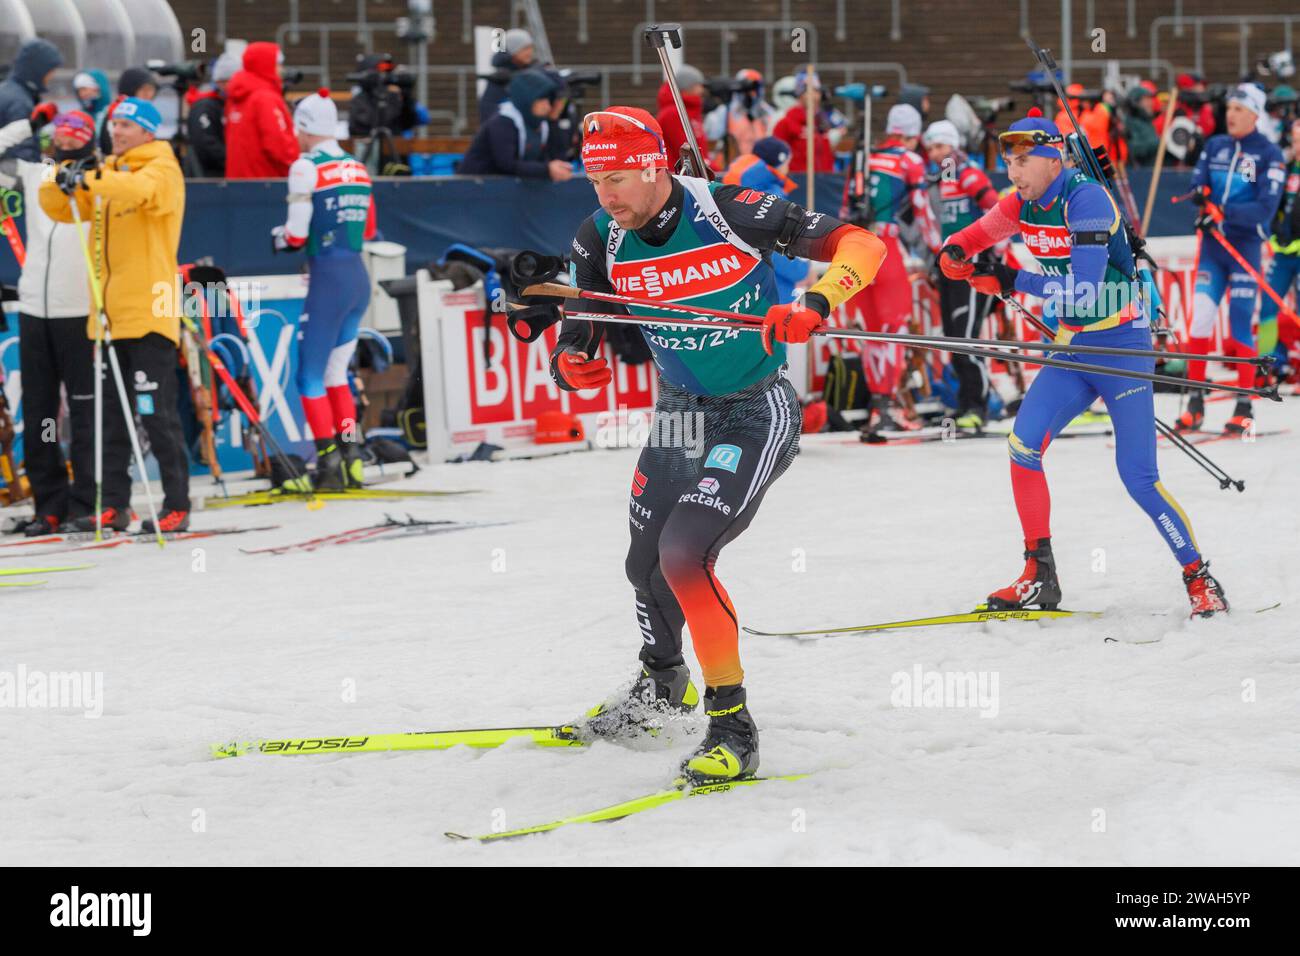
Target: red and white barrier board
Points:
(481, 384)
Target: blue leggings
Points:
(1219, 272)
(1058, 395)
(338, 292)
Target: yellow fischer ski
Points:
(620, 810)
(971, 617)
(547, 736)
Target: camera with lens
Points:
(383, 98)
(185, 71)
(377, 72)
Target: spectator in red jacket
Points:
(260, 141)
(794, 127)
(691, 83)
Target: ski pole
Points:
(569, 292)
(1216, 214)
(127, 413)
(246, 405)
(1224, 479)
(940, 345)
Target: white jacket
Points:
(53, 283)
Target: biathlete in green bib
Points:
(1072, 227)
(727, 420)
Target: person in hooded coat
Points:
(516, 142)
(21, 91)
(260, 141)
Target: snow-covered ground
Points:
(1181, 751)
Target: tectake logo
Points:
(709, 486)
(683, 275)
(1046, 240)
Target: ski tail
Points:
(627, 808)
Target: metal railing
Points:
(1198, 24)
(466, 75)
(724, 30)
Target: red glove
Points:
(574, 371)
(43, 113)
(997, 278)
(953, 262)
(791, 322)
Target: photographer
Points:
(144, 193)
(206, 123)
(517, 141)
(516, 53)
(383, 105)
(260, 142)
(743, 118)
(54, 352)
(1194, 106)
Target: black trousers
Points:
(56, 354)
(964, 312)
(696, 487)
(149, 373)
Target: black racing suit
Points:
(694, 492)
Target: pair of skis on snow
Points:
(558, 735)
(389, 529)
(85, 540)
(277, 496)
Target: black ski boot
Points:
(330, 475)
(1037, 583)
(655, 697)
(1192, 419)
(354, 465)
(729, 750)
(1241, 421)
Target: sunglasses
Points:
(1019, 142)
(603, 121)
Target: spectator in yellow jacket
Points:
(135, 202)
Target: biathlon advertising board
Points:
(481, 384)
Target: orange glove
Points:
(572, 371)
(953, 263)
(791, 322)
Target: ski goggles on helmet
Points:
(616, 140)
(1035, 142)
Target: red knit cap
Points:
(622, 137)
(75, 124)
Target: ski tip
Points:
(452, 835)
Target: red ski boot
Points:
(1037, 583)
(1205, 593)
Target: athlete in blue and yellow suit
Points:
(1072, 226)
